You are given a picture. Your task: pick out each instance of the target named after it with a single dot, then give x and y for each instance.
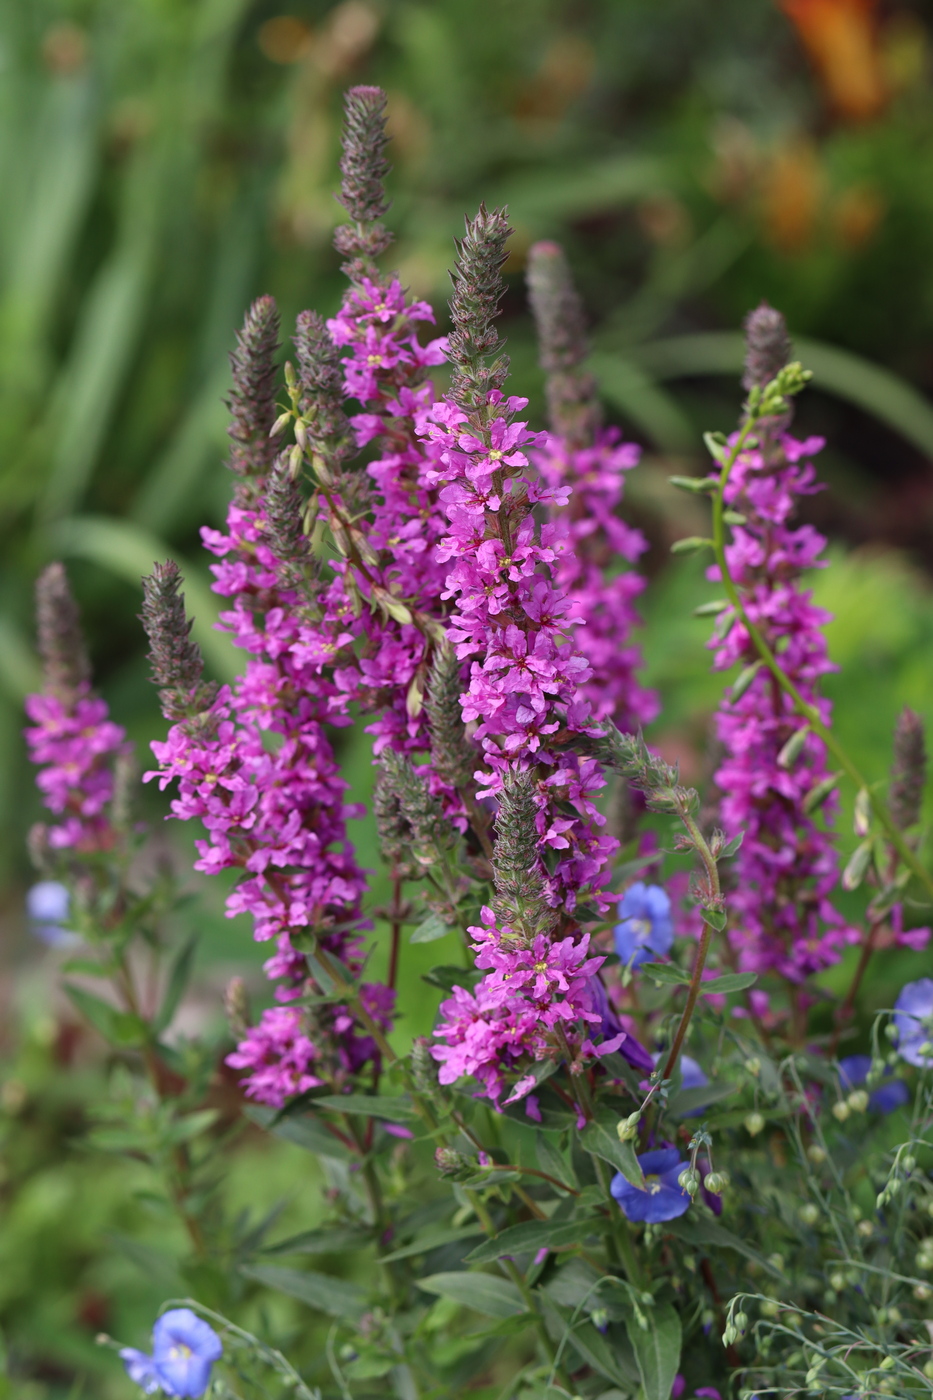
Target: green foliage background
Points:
(164, 161)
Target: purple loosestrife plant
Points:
(631, 1102)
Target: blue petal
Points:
(853, 1070)
(141, 1369)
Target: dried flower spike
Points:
(65, 666)
(252, 398)
(909, 770)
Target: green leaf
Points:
(431, 1239)
(698, 1231)
(730, 848)
(668, 973)
(118, 1027)
(334, 1296)
(372, 1105)
(696, 485)
(188, 1127)
(685, 1100)
(333, 1241)
(690, 544)
(818, 794)
(657, 1350)
(553, 1161)
(430, 930)
(743, 680)
(534, 1235)
(592, 1348)
(177, 982)
(303, 1132)
(599, 1140)
(449, 977)
(713, 608)
(730, 982)
(715, 916)
(484, 1293)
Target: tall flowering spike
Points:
(562, 347)
(909, 770)
(520, 891)
(773, 768)
(474, 306)
(320, 373)
(364, 168)
(410, 821)
(453, 757)
(66, 670)
(176, 660)
(72, 738)
(284, 508)
(767, 346)
(252, 398)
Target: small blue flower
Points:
(184, 1348)
(662, 1198)
(914, 1021)
(853, 1071)
(47, 907)
(646, 929)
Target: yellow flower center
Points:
(180, 1352)
(641, 927)
(495, 455)
(652, 1185)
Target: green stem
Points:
(809, 712)
(696, 977)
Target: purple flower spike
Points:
(646, 927)
(914, 1022)
(662, 1197)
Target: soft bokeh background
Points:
(164, 161)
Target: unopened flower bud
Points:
(627, 1128)
(858, 1100)
(716, 1182)
(865, 1228)
(908, 1164)
(753, 1066)
(816, 1154)
(895, 1315)
(450, 1162)
(753, 1123)
(689, 1181)
(841, 1111)
(923, 1292)
(837, 1281)
(928, 1370)
(809, 1213)
(740, 1322)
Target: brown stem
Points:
(847, 1007)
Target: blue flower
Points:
(853, 1071)
(914, 1021)
(662, 1198)
(646, 929)
(47, 907)
(184, 1348)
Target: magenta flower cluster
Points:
(76, 743)
(786, 870)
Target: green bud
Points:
(715, 1182)
(816, 1154)
(887, 1364)
(740, 1321)
(858, 1100)
(809, 1213)
(696, 485)
(793, 748)
(865, 1228)
(743, 680)
(923, 1292)
(841, 1111)
(908, 1164)
(862, 814)
(838, 1281)
(928, 1370)
(691, 544)
(753, 1066)
(627, 1128)
(818, 794)
(689, 1181)
(753, 1123)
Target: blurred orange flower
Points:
(841, 39)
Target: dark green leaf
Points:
(731, 982)
(552, 1161)
(685, 1100)
(604, 1143)
(335, 1241)
(743, 680)
(334, 1296)
(484, 1293)
(668, 973)
(449, 977)
(657, 1350)
(303, 1132)
(534, 1235)
(118, 1027)
(177, 982)
(592, 1348)
(698, 1231)
(372, 1105)
(430, 930)
(730, 848)
(690, 544)
(431, 1239)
